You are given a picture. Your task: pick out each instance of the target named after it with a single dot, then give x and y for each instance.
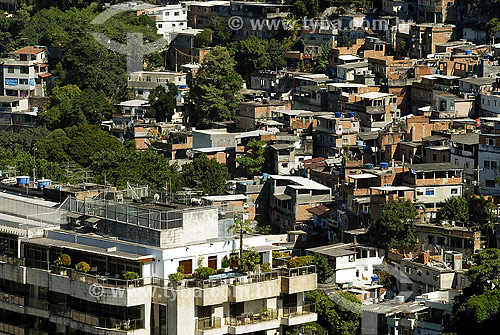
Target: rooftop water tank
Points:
(359, 143)
(23, 180)
(368, 166)
(338, 114)
(384, 165)
(468, 52)
(43, 182)
(351, 114)
(438, 71)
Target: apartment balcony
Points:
(96, 324)
(101, 289)
(24, 305)
(254, 287)
(253, 322)
(296, 280)
(6, 328)
(12, 268)
(210, 292)
(299, 315)
(210, 326)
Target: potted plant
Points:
(225, 262)
(176, 278)
(82, 267)
(204, 272)
(130, 276)
(63, 261)
(265, 267)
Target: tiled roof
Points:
(29, 51)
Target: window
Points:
(435, 277)
(454, 191)
(177, 13)
(429, 191)
(25, 69)
(486, 164)
(160, 26)
(11, 69)
(434, 157)
(494, 165)
(407, 269)
(490, 183)
(23, 81)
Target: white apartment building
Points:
(489, 163)
(490, 104)
(24, 73)
(142, 82)
(351, 262)
(40, 297)
(170, 20)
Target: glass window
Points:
(454, 191)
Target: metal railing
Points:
(252, 318)
(96, 279)
(11, 329)
(300, 271)
(299, 310)
(208, 323)
(97, 321)
(12, 260)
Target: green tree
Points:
(221, 32)
(238, 228)
(323, 60)
(250, 55)
(477, 310)
(310, 328)
(276, 51)
(493, 26)
(323, 268)
(205, 174)
(254, 160)
(145, 167)
(395, 227)
(163, 102)
(482, 212)
(336, 319)
(24, 140)
(215, 94)
(455, 209)
(204, 38)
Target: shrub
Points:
(297, 262)
(130, 275)
(279, 254)
(203, 272)
(63, 260)
(180, 269)
(225, 263)
(249, 261)
(176, 277)
(82, 267)
(265, 267)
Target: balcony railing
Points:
(97, 321)
(298, 310)
(96, 279)
(208, 323)
(252, 318)
(300, 271)
(12, 260)
(11, 329)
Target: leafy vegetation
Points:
(395, 227)
(215, 92)
(455, 209)
(205, 174)
(163, 102)
(478, 308)
(255, 159)
(332, 317)
(203, 272)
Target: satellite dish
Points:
(156, 197)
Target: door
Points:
(212, 262)
(188, 266)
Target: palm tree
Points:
(240, 226)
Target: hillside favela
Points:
(265, 167)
